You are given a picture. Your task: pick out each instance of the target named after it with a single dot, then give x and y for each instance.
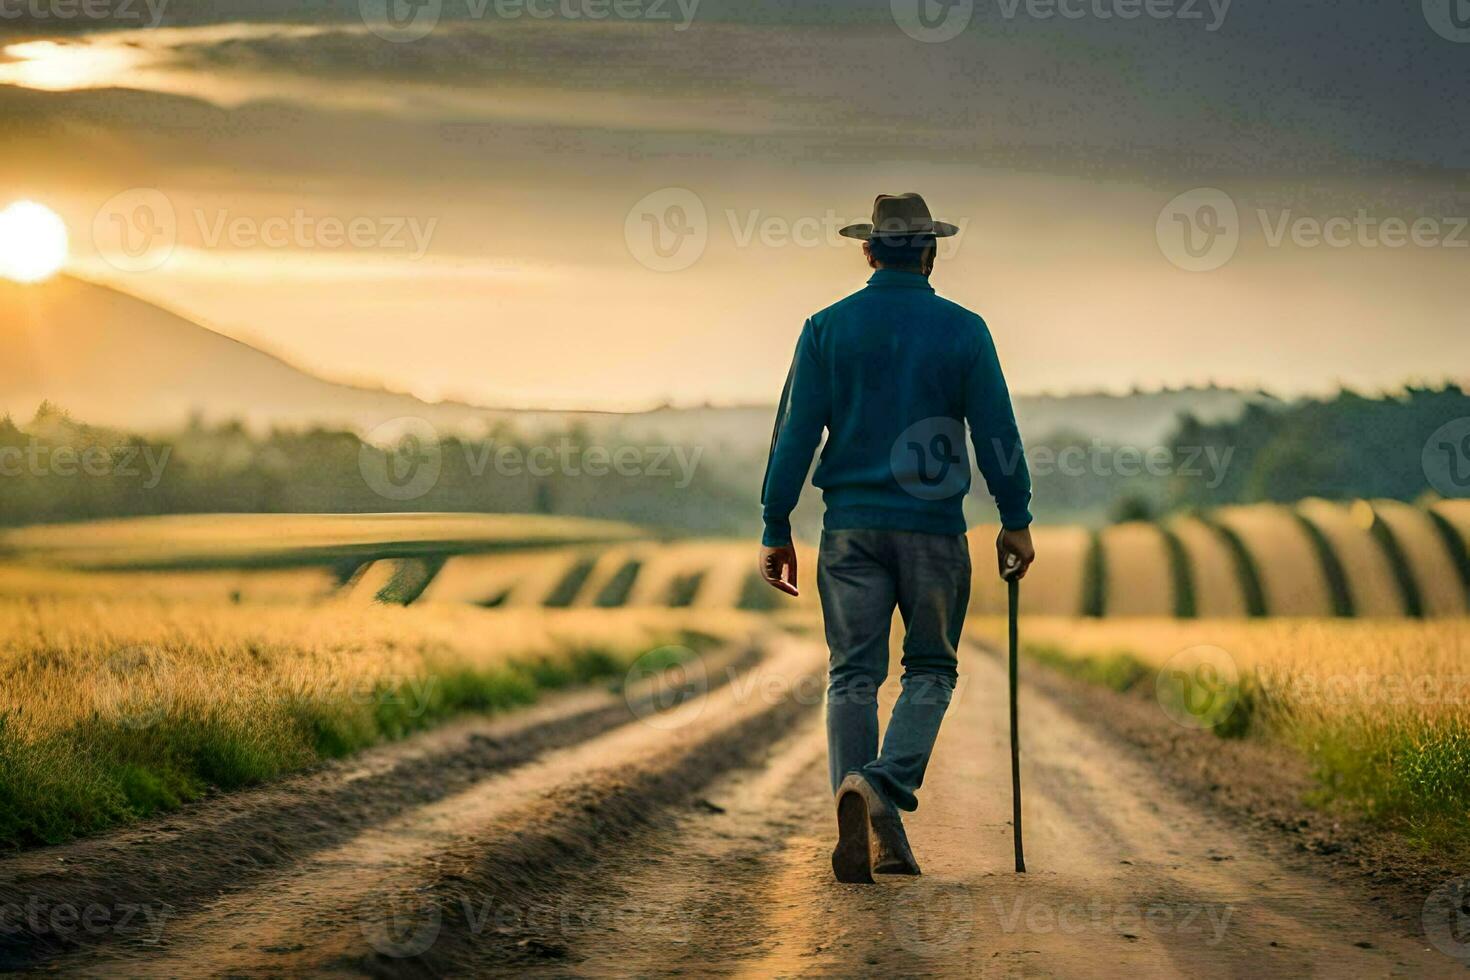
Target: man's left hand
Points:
(778, 568)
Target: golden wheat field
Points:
(1380, 708)
(251, 647)
(119, 702)
(243, 539)
(67, 659)
(1352, 664)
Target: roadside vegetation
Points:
(1381, 709)
(114, 707)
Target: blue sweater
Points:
(893, 373)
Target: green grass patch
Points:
(411, 576)
(757, 596)
(1246, 571)
(1332, 570)
(1413, 779)
(1094, 579)
(1404, 771)
(1186, 605)
(1227, 706)
(684, 588)
(565, 592)
(103, 772)
(615, 593)
(1118, 671)
(1399, 563)
(1455, 545)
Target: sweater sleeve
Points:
(800, 419)
(997, 441)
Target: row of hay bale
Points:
(1318, 558)
(707, 574)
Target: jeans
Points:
(861, 576)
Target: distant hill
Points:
(1140, 418)
(115, 360)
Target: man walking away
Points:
(892, 373)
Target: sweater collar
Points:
(897, 278)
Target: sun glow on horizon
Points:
(33, 242)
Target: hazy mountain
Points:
(1140, 418)
(112, 359)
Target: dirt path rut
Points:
(695, 841)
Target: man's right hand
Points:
(1014, 553)
(778, 567)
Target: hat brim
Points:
(864, 232)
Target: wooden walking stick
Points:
(1013, 589)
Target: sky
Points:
(572, 211)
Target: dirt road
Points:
(604, 835)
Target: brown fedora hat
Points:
(899, 216)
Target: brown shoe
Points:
(852, 860)
(889, 851)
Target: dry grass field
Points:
(147, 660)
(1381, 708)
(124, 702)
(240, 540)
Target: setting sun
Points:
(33, 242)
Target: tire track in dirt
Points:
(343, 909)
(1128, 877)
(697, 842)
(229, 842)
